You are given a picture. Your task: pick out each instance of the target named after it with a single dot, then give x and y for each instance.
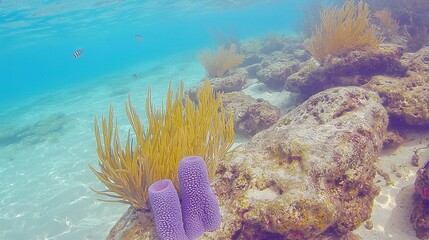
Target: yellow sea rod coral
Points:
(183, 128)
(220, 63)
(390, 25)
(343, 29)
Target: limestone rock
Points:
(307, 176)
(418, 62)
(420, 218)
(421, 185)
(134, 225)
(301, 54)
(275, 74)
(251, 59)
(393, 139)
(294, 81)
(250, 115)
(406, 99)
(354, 68)
(420, 214)
(309, 173)
(231, 83)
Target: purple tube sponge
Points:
(165, 206)
(200, 208)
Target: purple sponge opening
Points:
(166, 210)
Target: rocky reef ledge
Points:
(308, 176)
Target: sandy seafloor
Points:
(45, 180)
(393, 206)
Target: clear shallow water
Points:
(38, 39)
(45, 183)
(48, 99)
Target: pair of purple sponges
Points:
(199, 211)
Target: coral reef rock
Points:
(250, 115)
(407, 98)
(273, 58)
(420, 214)
(418, 62)
(134, 225)
(234, 81)
(393, 139)
(354, 68)
(307, 176)
(251, 59)
(274, 74)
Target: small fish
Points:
(135, 76)
(78, 53)
(139, 37)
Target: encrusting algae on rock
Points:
(308, 176)
(311, 172)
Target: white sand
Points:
(392, 208)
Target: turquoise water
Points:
(38, 39)
(48, 98)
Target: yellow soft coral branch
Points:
(220, 63)
(343, 29)
(181, 129)
(389, 25)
